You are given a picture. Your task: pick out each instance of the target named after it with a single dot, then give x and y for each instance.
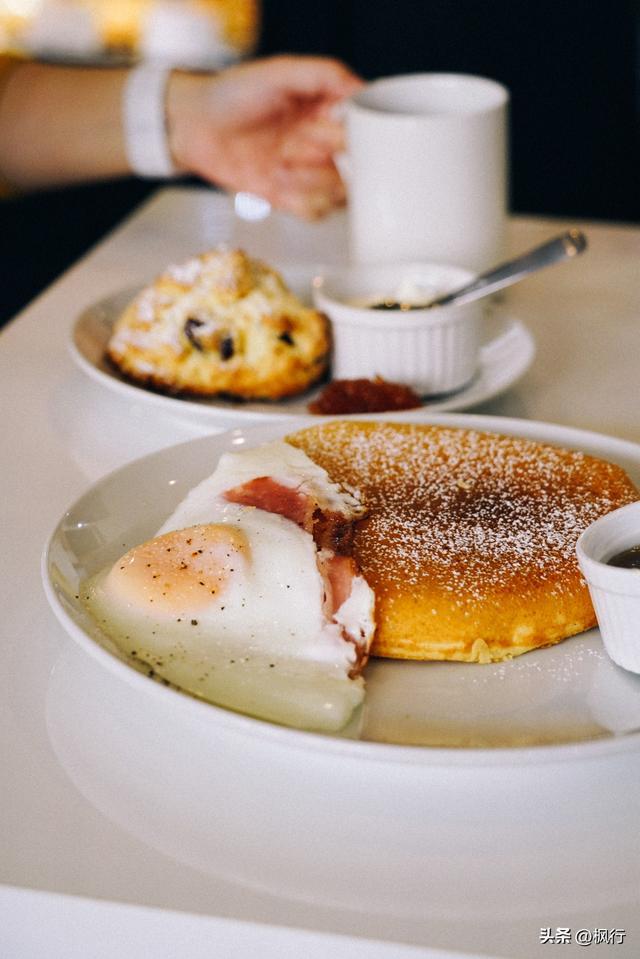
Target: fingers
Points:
(308, 192)
(310, 179)
(308, 184)
(314, 142)
(306, 206)
(313, 77)
(269, 127)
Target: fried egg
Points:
(247, 596)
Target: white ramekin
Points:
(434, 351)
(615, 592)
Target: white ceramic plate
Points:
(569, 698)
(506, 353)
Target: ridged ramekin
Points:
(615, 592)
(434, 350)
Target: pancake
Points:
(469, 543)
(221, 324)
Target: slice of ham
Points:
(333, 536)
(267, 494)
(330, 529)
(338, 573)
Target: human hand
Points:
(265, 127)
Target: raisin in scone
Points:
(222, 323)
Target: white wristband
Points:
(145, 122)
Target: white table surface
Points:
(61, 432)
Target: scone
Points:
(470, 541)
(221, 323)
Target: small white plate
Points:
(568, 696)
(506, 353)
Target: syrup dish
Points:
(567, 697)
(610, 559)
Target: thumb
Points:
(314, 77)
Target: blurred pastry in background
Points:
(193, 34)
(197, 34)
(62, 28)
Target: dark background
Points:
(571, 66)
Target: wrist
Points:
(184, 116)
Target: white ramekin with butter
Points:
(434, 350)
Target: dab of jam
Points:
(627, 559)
(364, 396)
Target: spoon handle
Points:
(563, 247)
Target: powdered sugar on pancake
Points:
(473, 512)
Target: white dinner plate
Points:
(567, 698)
(506, 353)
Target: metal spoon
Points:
(562, 247)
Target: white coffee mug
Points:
(427, 169)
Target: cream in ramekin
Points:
(615, 591)
(433, 350)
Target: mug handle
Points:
(338, 112)
(343, 166)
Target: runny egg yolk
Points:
(181, 570)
